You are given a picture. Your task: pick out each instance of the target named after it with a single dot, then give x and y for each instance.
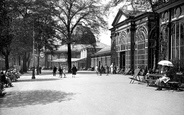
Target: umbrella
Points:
(165, 63)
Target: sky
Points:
(104, 36)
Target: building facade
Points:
(171, 31)
(102, 57)
(81, 56)
(142, 40)
(133, 44)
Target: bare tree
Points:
(71, 13)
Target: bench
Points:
(151, 78)
(174, 85)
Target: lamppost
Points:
(33, 66)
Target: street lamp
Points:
(33, 66)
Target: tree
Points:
(6, 35)
(133, 5)
(19, 20)
(71, 13)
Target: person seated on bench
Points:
(168, 75)
(5, 80)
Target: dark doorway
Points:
(122, 60)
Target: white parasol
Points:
(165, 63)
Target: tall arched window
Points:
(177, 43)
(140, 52)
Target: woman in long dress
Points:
(74, 71)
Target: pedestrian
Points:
(96, 69)
(100, 70)
(40, 68)
(74, 71)
(115, 70)
(64, 72)
(60, 71)
(111, 68)
(107, 69)
(54, 70)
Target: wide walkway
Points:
(88, 94)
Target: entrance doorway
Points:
(122, 60)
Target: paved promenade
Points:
(88, 94)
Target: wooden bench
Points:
(174, 85)
(151, 78)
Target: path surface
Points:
(88, 94)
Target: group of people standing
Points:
(107, 69)
(62, 71)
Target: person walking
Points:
(60, 71)
(54, 70)
(107, 69)
(74, 71)
(96, 69)
(64, 72)
(115, 69)
(100, 70)
(111, 68)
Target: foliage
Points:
(6, 34)
(178, 64)
(131, 7)
(27, 19)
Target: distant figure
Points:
(96, 69)
(107, 69)
(64, 72)
(100, 70)
(114, 70)
(111, 68)
(74, 71)
(60, 71)
(54, 70)
(40, 68)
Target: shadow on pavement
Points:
(34, 80)
(24, 98)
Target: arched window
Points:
(177, 43)
(140, 52)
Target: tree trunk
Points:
(6, 62)
(19, 60)
(38, 63)
(69, 58)
(24, 68)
